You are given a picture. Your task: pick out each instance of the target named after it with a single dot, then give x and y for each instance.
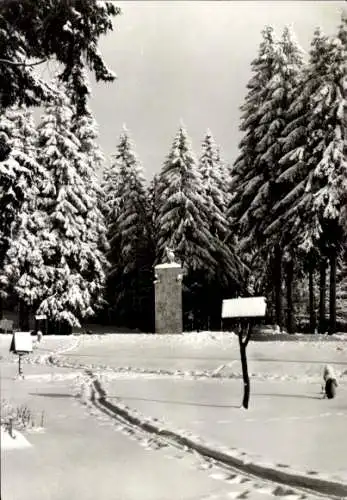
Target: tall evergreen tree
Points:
(278, 93)
(183, 222)
(329, 179)
(85, 128)
(309, 139)
(291, 210)
(21, 178)
(278, 96)
(213, 181)
(254, 174)
(73, 261)
(32, 33)
(246, 180)
(130, 280)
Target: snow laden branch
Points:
(17, 63)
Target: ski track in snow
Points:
(251, 486)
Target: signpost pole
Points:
(20, 369)
(21, 344)
(243, 311)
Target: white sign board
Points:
(249, 307)
(22, 342)
(40, 316)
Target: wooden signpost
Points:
(21, 344)
(243, 311)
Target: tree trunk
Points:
(289, 287)
(1, 308)
(311, 301)
(322, 295)
(278, 286)
(244, 336)
(23, 319)
(332, 294)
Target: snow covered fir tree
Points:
(80, 235)
(284, 226)
(189, 220)
(56, 263)
(21, 178)
(126, 207)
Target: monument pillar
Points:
(168, 298)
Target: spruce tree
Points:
(310, 141)
(183, 223)
(329, 180)
(299, 141)
(287, 66)
(291, 211)
(85, 128)
(90, 164)
(21, 179)
(182, 220)
(73, 261)
(254, 188)
(33, 33)
(129, 231)
(213, 180)
(246, 180)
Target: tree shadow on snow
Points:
(297, 361)
(166, 401)
(295, 396)
(51, 394)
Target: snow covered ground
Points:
(287, 423)
(15, 442)
(191, 383)
(49, 344)
(216, 353)
(82, 453)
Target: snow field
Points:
(208, 354)
(204, 346)
(246, 461)
(79, 444)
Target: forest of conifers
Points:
(79, 235)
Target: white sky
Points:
(189, 60)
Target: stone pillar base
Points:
(168, 298)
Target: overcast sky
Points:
(189, 60)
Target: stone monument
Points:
(168, 295)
